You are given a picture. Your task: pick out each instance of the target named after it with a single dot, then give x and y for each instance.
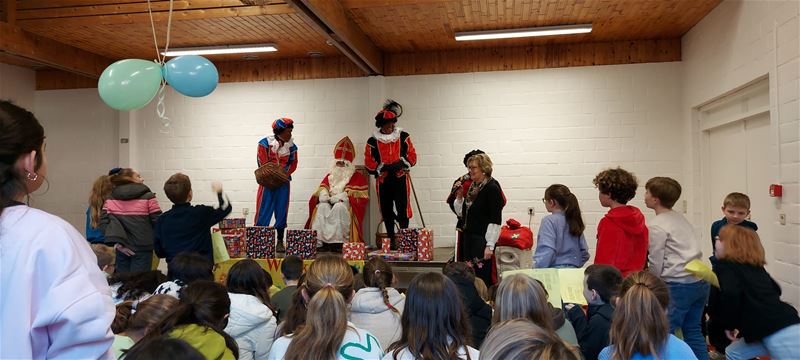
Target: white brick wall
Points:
(540, 127)
(81, 145)
(736, 43)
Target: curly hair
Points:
(618, 183)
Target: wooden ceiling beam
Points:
(17, 42)
(360, 4)
(533, 57)
(131, 8)
(10, 11)
(159, 16)
(330, 19)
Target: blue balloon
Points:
(191, 75)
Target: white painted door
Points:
(739, 161)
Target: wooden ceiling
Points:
(374, 35)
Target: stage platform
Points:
(406, 270)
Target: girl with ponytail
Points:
(326, 334)
(55, 301)
(378, 306)
(101, 190)
(640, 328)
(560, 243)
(199, 319)
(135, 320)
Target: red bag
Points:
(515, 235)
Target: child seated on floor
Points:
(185, 269)
(600, 288)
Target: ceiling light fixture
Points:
(220, 50)
(526, 32)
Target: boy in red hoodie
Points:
(622, 237)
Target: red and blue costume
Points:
(276, 202)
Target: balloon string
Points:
(161, 106)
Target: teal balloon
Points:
(129, 84)
(191, 75)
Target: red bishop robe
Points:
(357, 194)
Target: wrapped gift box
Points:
(301, 243)
(232, 223)
(386, 244)
(354, 251)
(407, 242)
(392, 255)
(425, 245)
(235, 242)
(260, 242)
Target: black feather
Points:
(393, 106)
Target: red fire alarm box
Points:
(775, 190)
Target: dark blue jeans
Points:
(140, 261)
(686, 303)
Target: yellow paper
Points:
(571, 281)
(548, 277)
(218, 248)
(702, 271)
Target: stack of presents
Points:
(258, 242)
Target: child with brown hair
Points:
(316, 327)
(378, 306)
(434, 325)
(522, 339)
(640, 328)
(127, 220)
(600, 288)
(672, 246)
(621, 233)
(186, 227)
(749, 300)
(134, 320)
(252, 321)
(101, 190)
(199, 319)
(736, 208)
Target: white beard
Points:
(339, 177)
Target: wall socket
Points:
(531, 211)
(782, 218)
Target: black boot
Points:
(279, 248)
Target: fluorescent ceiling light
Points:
(526, 32)
(218, 50)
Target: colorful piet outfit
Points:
(388, 157)
(276, 202)
(337, 208)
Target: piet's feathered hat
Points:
(344, 150)
(389, 113)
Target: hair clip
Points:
(114, 171)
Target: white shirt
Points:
(672, 245)
(404, 354)
(357, 344)
(252, 325)
(55, 302)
